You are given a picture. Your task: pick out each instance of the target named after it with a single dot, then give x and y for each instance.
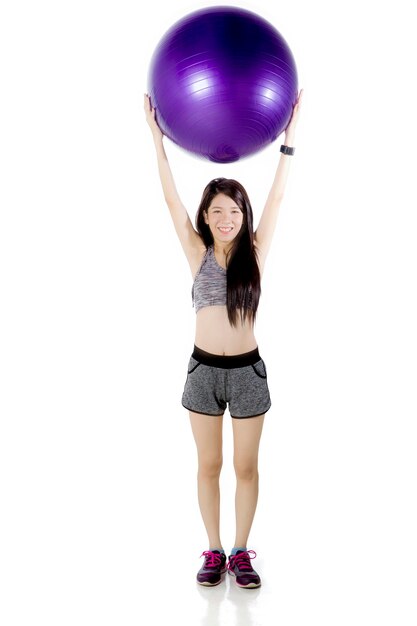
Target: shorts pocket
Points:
(192, 365)
(260, 369)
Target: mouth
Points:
(225, 230)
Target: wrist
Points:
(289, 139)
(158, 137)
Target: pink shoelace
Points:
(242, 560)
(212, 558)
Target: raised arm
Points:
(267, 223)
(190, 240)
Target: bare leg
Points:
(207, 431)
(246, 435)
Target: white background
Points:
(100, 522)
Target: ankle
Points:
(216, 548)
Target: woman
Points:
(227, 259)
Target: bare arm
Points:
(190, 240)
(267, 223)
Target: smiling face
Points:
(224, 218)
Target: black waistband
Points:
(226, 362)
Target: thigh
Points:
(203, 390)
(246, 438)
(208, 435)
(248, 392)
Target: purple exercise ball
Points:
(224, 82)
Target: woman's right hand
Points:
(150, 117)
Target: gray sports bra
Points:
(210, 283)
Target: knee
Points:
(210, 467)
(246, 469)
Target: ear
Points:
(205, 217)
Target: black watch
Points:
(287, 150)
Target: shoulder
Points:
(260, 257)
(197, 259)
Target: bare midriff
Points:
(215, 334)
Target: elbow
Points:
(171, 202)
(277, 198)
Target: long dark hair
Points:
(243, 276)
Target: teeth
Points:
(225, 229)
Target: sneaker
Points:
(239, 565)
(213, 569)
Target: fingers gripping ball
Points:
(224, 82)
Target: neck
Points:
(222, 248)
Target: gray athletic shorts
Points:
(213, 381)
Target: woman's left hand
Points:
(295, 113)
